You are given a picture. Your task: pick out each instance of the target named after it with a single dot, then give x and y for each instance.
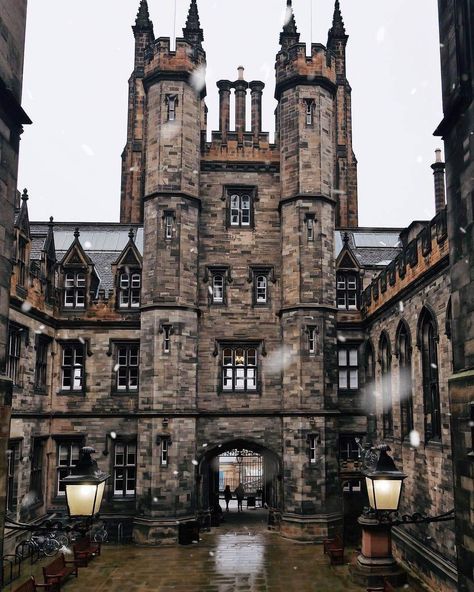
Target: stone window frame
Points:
(171, 101)
(313, 439)
(166, 330)
(42, 348)
(309, 105)
(343, 291)
(385, 361)
(12, 473)
(228, 192)
(348, 368)
(76, 344)
(427, 344)
(310, 221)
(17, 337)
(77, 290)
(313, 336)
(114, 348)
(256, 271)
(22, 260)
(68, 441)
(169, 225)
(129, 289)
(126, 442)
(251, 344)
(164, 442)
(37, 456)
(404, 354)
(210, 273)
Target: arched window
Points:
(427, 342)
(261, 289)
(385, 365)
(369, 387)
(405, 385)
(217, 288)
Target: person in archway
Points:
(240, 494)
(227, 497)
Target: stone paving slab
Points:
(236, 557)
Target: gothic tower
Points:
(306, 91)
(169, 315)
(133, 156)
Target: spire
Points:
(289, 36)
(337, 31)
(192, 32)
(143, 22)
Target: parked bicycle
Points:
(38, 543)
(99, 533)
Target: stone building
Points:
(457, 54)
(236, 306)
(12, 118)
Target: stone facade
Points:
(457, 51)
(240, 271)
(12, 118)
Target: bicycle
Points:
(46, 543)
(99, 533)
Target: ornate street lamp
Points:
(384, 483)
(85, 486)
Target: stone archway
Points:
(208, 473)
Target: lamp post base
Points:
(375, 563)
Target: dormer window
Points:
(129, 289)
(74, 289)
(347, 289)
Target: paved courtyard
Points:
(239, 556)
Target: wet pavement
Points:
(239, 556)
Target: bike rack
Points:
(16, 563)
(119, 533)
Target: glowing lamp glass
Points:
(84, 499)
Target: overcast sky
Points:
(79, 56)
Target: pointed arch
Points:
(427, 341)
(403, 350)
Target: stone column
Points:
(224, 87)
(241, 87)
(256, 88)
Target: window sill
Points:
(115, 393)
(121, 499)
(435, 444)
(224, 392)
(68, 392)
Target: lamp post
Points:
(85, 487)
(240, 459)
(384, 487)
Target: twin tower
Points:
(313, 139)
(238, 347)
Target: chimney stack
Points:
(256, 89)
(224, 87)
(241, 87)
(438, 172)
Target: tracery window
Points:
(405, 378)
(429, 356)
(239, 368)
(240, 209)
(386, 371)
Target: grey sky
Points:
(79, 55)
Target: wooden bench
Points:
(335, 549)
(31, 586)
(84, 550)
(58, 570)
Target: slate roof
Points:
(372, 247)
(103, 243)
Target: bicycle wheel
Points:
(62, 539)
(50, 546)
(101, 535)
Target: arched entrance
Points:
(239, 461)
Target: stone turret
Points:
(306, 89)
(133, 156)
(175, 90)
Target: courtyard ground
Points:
(239, 556)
